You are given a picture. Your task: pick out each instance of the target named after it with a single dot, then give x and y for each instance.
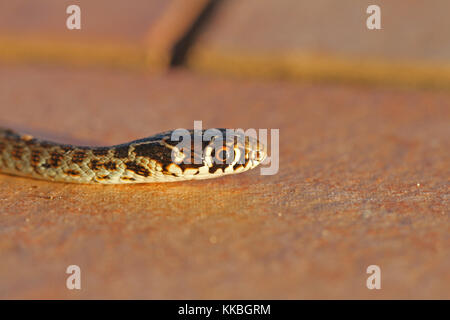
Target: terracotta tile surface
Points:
(363, 180)
(328, 39)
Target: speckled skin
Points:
(139, 161)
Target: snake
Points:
(157, 158)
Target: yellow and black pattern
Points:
(140, 161)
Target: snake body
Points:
(140, 161)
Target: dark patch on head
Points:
(152, 150)
(137, 168)
(162, 155)
(121, 152)
(78, 156)
(100, 152)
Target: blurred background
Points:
(364, 137)
(324, 40)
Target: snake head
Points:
(233, 152)
(209, 153)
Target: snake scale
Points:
(146, 160)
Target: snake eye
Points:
(223, 154)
